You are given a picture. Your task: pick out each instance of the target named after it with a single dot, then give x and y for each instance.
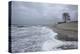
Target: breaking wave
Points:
(35, 38)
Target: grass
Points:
(68, 26)
(67, 31)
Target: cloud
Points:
(40, 13)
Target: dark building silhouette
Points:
(66, 17)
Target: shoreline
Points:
(65, 34)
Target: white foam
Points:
(34, 38)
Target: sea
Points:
(37, 38)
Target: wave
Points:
(35, 38)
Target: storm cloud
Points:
(32, 13)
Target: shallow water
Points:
(36, 38)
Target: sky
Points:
(32, 13)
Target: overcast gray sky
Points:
(28, 13)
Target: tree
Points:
(66, 17)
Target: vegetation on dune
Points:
(68, 26)
(67, 31)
